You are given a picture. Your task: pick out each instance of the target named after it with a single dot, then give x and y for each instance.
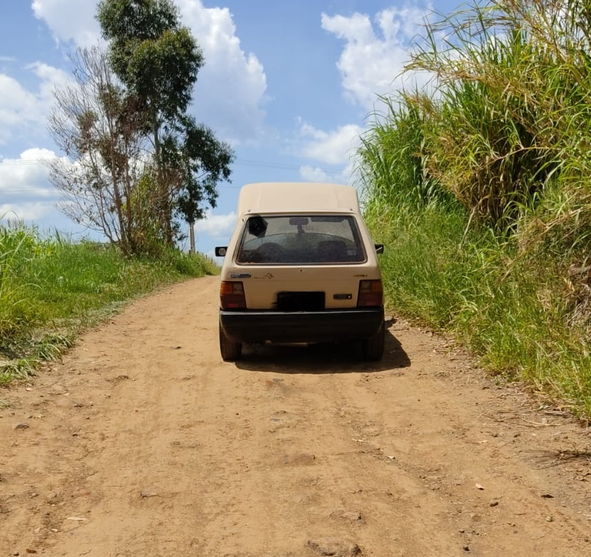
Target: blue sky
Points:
(290, 84)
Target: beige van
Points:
(300, 267)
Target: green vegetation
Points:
(480, 189)
(138, 164)
(51, 289)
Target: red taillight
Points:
(232, 295)
(370, 294)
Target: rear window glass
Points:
(300, 239)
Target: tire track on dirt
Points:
(142, 442)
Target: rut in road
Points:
(143, 443)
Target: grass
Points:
(513, 313)
(479, 187)
(52, 289)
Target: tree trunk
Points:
(131, 224)
(163, 192)
(192, 237)
(123, 229)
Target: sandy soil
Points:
(143, 443)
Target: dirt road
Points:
(143, 443)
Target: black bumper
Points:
(301, 326)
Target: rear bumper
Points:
(301, 326)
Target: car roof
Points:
(297, 197)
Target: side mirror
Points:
(220, 251)
(379, 248)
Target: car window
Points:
(300, 239)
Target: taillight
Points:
(370, 293)
(232, 295)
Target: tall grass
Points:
(392, 156)
(16, 247)
(51, 289)
(481, 191)
(514, 312)
(512, 114)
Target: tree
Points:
(136, 160)
(99, 127)
(206, 161)
(158, 60)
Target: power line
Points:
(22, 162)
(224, 186)
(240, 161)
(247, 162)
(38, 162)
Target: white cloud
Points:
(372, 59)
(17, 107)
(23, 112)
(49, 78)
(231, 87)
(27, 177)
(314, 174)
(217, 226)
(70, 20)
(334, 147)
(27, 211)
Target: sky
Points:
(291, 85)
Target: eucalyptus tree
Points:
(157, 59)
(205, 162)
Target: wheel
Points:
(373, 347)
(230, 350)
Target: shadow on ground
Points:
(321, 358)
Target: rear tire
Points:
(373, 347)
(229, 349)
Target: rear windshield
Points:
(301, 239)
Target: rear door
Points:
(302, 262)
